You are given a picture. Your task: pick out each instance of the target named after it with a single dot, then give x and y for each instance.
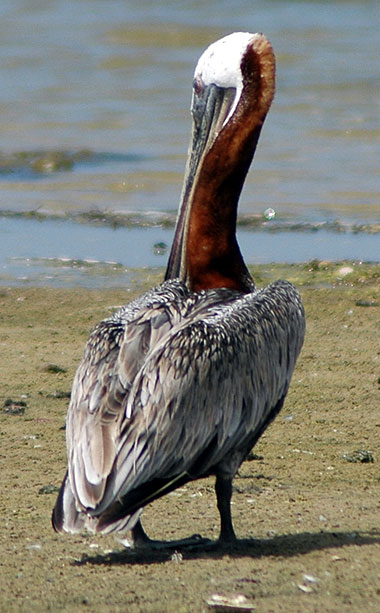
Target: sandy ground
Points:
(307, 509)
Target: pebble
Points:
(233, 603)
(360, 455)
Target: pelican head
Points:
(233, 87)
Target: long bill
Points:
(210, 110)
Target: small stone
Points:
(233, 603)
(160, 248)
(360, 455)
(48, 489)
(14, 407)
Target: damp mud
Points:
(306, 506)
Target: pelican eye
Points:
(198, 86)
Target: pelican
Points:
(180, 383)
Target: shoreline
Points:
(67, 273)
(68, 253)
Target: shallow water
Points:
(94, 118)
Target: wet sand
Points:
(306, 508)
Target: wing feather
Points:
(231, 379)
(113, 355)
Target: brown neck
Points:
(213, 255)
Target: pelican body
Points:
(180, 383)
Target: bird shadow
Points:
(286, 545)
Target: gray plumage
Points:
(173, 387)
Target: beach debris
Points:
(308, 582)
(360, 455)
(176, 557)
(305, 588)
(48, 489)
(344, 271)
(231, 603)
(14, 407)
(311, 578)
(34, 547)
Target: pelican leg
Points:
(139, 536)
(142, 541)
(223, 490)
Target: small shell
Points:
(233, 603)
(311, 579)
(305, 588)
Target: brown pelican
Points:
(181, 383)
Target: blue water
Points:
(114, 77)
